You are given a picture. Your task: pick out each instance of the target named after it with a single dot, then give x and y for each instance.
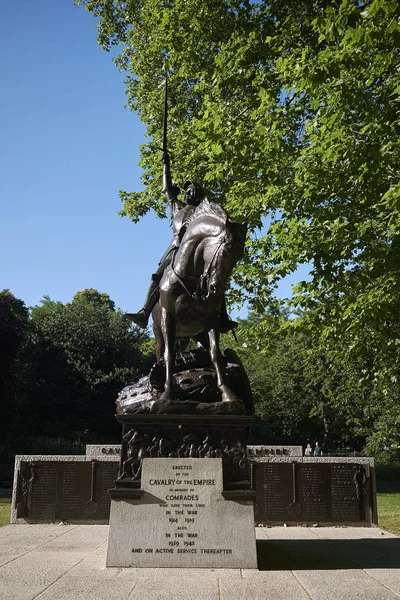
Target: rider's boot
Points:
(141, 318)
(226, 323)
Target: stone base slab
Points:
(182, 520)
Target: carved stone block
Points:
(182, 518)
(185, 436)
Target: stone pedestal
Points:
(183, 436)
(183, 495)
(181, 517)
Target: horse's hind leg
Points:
(168, 334)
(216, 357)
(160, 346)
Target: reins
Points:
(199, 294)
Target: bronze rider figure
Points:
(181, 213)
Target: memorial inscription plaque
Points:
(321, 491)
(65, 490)
(315, 492)
(345, 493)
(277, 489)
(182, 520)
(43, 484)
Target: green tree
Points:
(95, 297)
(307, 387)
(366, 367)
(78, 357)
(292, 380)
(13, 327)
(13, 330)
(287, 111)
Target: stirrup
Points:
(140, 318)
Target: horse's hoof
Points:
(166, 397)
(228, 396)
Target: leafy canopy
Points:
(288, 113)
(69, 364)
(308, 389)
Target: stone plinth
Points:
(181, 518)
(185, 436)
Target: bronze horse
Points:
(193, 286)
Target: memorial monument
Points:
(181, 489)
(184, 473)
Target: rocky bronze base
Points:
(183, 436)
(195, 388)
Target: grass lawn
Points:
(389, 511)
(5, 510)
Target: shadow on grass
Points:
(388, 487)
(288, 555)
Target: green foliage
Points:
(306, 388)
(262, 432)
(73, 361)
(93, 296)
(13, 325)
(388, 473)
(94, 338)
(287, 111)
(13, 329)
(291, 381)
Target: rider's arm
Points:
(169, 190)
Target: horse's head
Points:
(211, 246)
(221, 256)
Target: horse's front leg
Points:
(160, 346)
(216, 357)
(168, 329)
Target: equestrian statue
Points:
(186, 297)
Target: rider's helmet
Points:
(194, 193)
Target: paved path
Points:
(66, 562)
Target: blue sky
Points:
(67, 146)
